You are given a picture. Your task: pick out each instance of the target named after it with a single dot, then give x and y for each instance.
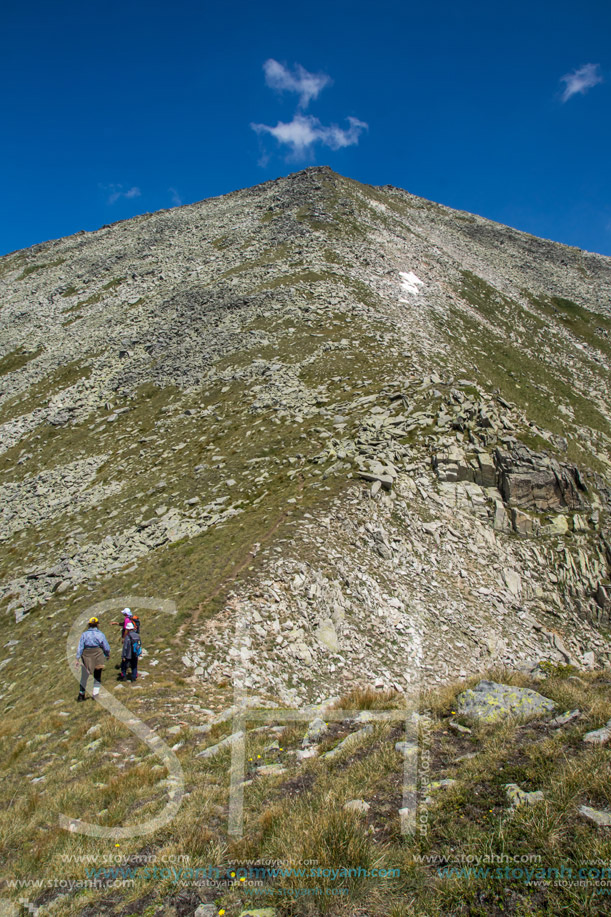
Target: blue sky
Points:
(110, 109)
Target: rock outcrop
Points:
(533, 481)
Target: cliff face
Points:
(354, 435)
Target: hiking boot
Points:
(80, 697)
(120, 677)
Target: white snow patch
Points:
(410, 283)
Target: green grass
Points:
(14, 360)
(495, 306)
(32, 268)
(99, 296)
(63, 377)
(469, 819)
(517, 354)
(9, 263)
(293, 279)
(114, 283)
(90, 301)
(299, 819)
(270, 256)
(585, 324)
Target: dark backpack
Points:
(136, 643)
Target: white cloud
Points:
(307, 85)
(579, 81)
(116, 192)
(304, 131)
(176, 198)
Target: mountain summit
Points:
(352, 437)
(188, 390)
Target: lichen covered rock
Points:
(490, 701)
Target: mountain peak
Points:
(326, 439)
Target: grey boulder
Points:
(490, 701)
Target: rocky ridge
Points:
(421, 396)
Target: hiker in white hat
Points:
(132, 647)
(127, 617)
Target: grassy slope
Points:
(298, 818)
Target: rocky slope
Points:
(354, 435)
